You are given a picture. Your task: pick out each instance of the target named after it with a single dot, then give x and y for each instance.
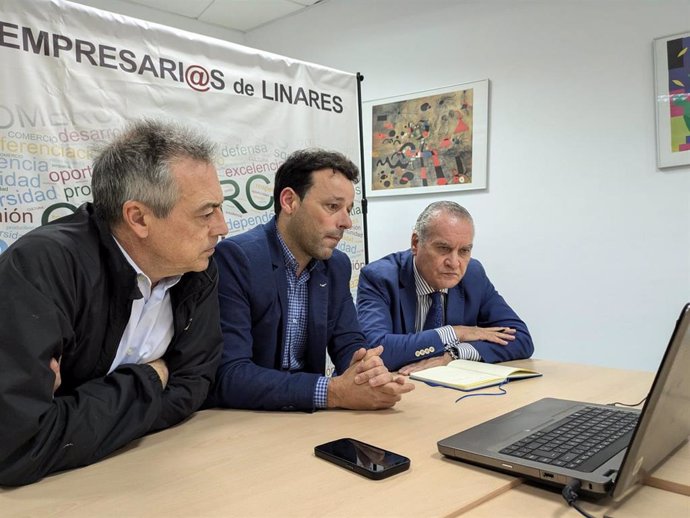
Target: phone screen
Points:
(363, 458)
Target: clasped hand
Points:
(367, 384)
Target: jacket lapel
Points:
(280, 279)
(317, 339)
(408, 293)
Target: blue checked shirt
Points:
(459, 350)
(296, 327)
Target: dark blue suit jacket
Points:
(253, 311)
(387, 306)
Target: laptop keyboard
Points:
(583, 440)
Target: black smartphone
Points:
(362, 458)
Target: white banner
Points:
(73, 75)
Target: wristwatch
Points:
(452, 350)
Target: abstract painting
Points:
(430, 142)
(672, 78)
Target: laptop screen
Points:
(665, 419)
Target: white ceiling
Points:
(239, 15)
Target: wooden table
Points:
(244, 463)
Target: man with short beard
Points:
(285, 300)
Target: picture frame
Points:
(432, 141)
(672, 90)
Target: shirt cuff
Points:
(321, 392)
(447, 335)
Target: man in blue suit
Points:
(285, 300)
(434, 303)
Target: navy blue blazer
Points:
(387, 307)
(252, 293)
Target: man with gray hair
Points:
(433, 303)
(112, 329)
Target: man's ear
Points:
(289, 201)
(414, 242)
(137, 217)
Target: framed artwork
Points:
(672, 88)
(428, 142)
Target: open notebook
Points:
(469, 375)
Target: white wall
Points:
(579, 230)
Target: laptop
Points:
(609, 449)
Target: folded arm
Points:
(192, 360)
(374, 306)
(488, 324)
(495, 315)
(43, 429)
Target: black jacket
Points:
(67, 292)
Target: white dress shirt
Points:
(150, 327)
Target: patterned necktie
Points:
(434, 318)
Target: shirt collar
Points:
(144, 281)
(289, 259)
